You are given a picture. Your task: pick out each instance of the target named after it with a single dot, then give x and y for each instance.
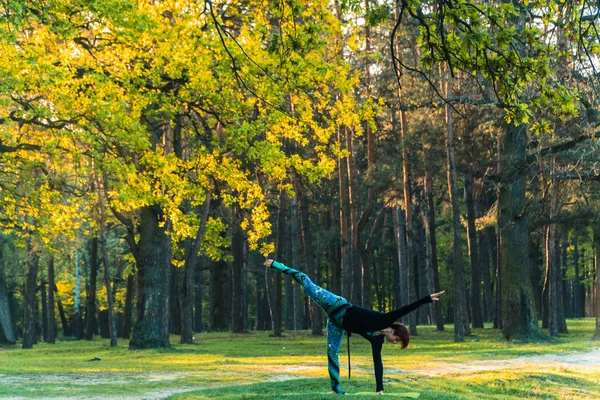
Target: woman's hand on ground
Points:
(436, 296)
(268, 263)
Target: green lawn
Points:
(257, 366)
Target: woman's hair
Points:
(402, 332)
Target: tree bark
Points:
(315, 312)
(29, 329)
(487, 236)
(518, 309)
(90, 315)
(237, 267)
(7, 332)
(476, 303)
(344, 226)
(189, 279)
(295, 240)
(431, 238)
(128, 311)
(77, 318)
(596, 285)
(220, 304)
(461, 320)
(151, 329)
(50, 302)
(401, 275)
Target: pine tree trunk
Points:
(189, 278)
(596, 282)
(476, 303)
(77, 318)
(50, 304)
(29, 328)
(344, 226)
(44, 312)
(112, 322)
(237, 266)
(199, 295)
(487, 235)
(7, 332)
(432, 241)
(461, 320)
(315, 312)
(151, 329)
(578, 289)
(220, 306)
(401, 274)
(128, 311)
(90, 314)
(295, 240)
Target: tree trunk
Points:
(7, 332)
(112, 323)
(198, 296)
(189, 279)
(44, 312)
(423, 312)
(315, 312)
(486, 237)
(90, 315)
(295, 240)
(401, 275)
(432, 241)
(50, 304)
(596, 282)
(33, 260)
(151, 329)
(578, 288)
(77, 318)
(476, 303)
(237, 267)
(175, 289)
(67, 330)
(518, 309)
(128, 311)
(220, 305)
(461, 320)
(344, 226)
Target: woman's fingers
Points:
(436, 296)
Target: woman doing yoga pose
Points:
(343, 316)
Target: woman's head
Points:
(399, 334)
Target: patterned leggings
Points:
(335, 307)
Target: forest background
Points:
(152, 154)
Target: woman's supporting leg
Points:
(334, 342)
(328, 301)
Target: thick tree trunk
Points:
(518, 309)
(476, 303)
(50, 304)
(90, 314)
(461, 319)
(151, 329)
(596, 284)
(7, 332)
(29, 328)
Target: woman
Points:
(343, 316)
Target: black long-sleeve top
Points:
(365, 322)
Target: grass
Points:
(257, 366)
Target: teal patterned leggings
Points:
(335, 307)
